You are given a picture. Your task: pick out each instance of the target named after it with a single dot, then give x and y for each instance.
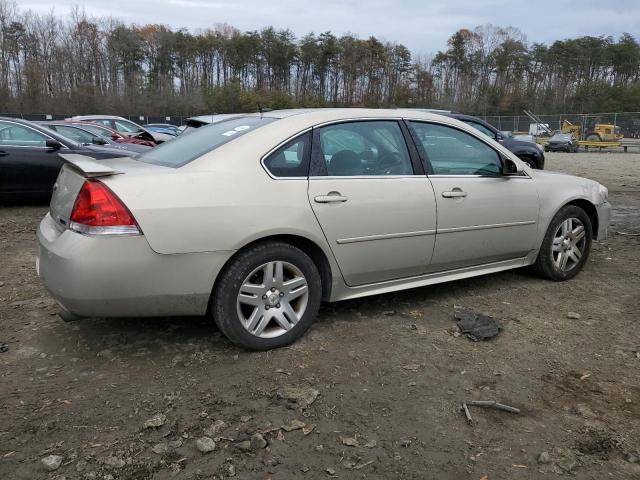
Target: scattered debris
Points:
(362, 465)
(493, 404)
(349, 441)
(244, 445)
(160, 448)
(476, 326)
(302, 396)
(114, 462)
(466, 413)
(488, 404)
(573, 316)
(411, 367)
(371, 444)
(215, 428)
(632, 458)
(4, 347)
(331, 471)
(293, 425)
(544, 458)
(205, 444)
(51, 462)
(156, 421)
(308, 429)
(257, 442)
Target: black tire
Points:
(224, 307)
(530, 162)
(545, 264)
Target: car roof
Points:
(95, 117)
(320, 115)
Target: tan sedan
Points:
(256, 219)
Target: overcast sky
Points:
(422, 25)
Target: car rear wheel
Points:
(267, 297)
(566, 244)
(529, 161)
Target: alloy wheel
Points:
(272, 299)
(568, 244)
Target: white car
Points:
(256, 219)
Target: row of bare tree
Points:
(80, 64)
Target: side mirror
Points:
(115, 136)
(54, 144)
(509, 167)
(499, 137)
(98, 141)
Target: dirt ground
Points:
(377, 382)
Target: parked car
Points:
(83, 135)
(192, 123)
(256, 219)
(121, 125)
(29, 161)
(142, 138)
(167, 128)
(562, 142)
(529, 152)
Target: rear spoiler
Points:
(88, 166)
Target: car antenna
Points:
(263, 109)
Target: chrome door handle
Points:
(454, 194)
(330, 198)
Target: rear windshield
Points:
(186, 148)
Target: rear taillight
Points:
(99, 211)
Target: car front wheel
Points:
(566, 244)
(267, 297)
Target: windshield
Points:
(186, 148)
(561, 136)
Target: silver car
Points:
(257, 219)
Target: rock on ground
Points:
(205, 444)
(52, 462)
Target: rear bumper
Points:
(604, 218)
(121, 276)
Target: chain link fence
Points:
(629, 122)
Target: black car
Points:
(562, 142)
(529, 152)
(29, 161)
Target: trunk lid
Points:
(75, 171)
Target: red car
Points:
(143, 138)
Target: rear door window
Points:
(186, 148)
(369, 148)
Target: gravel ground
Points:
(372, 391)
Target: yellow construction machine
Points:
(602, 132)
